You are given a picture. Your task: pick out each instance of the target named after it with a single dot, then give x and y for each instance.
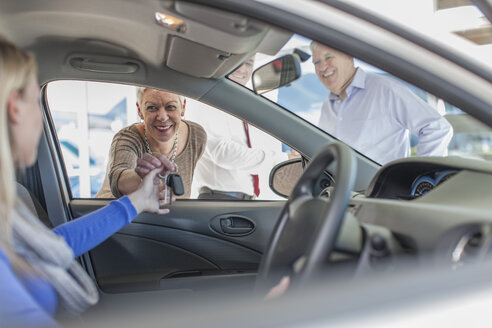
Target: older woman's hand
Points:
(148, 162)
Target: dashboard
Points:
(437, 208)
(408, 179)
(426, 182)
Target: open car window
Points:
(87, 116)
(405, 113)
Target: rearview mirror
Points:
(276, 73)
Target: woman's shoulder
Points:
(197, 139)
(130, 130)
(128, 139)
(196, 131)
(128, 135)
(195, 126)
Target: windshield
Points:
(457, 23)
(375, 113)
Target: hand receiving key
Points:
(172, 183)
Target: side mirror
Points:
(285, 175)
(276, 73)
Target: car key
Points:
(176, 183)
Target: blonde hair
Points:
(16, 68)
(141, 90)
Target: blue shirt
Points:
(32, 302)
(378, 116)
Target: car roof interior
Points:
(213, 45)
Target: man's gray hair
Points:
(140, 93)
(313, 45)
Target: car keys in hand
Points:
(173, 184)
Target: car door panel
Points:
(185, 249)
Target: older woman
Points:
(163, 131)
(38, 271)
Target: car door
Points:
(196, 246)
(199, 245)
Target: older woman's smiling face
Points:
(161, 112)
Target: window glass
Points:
(457, 24)
(87, 115)
(235, 151)
(378, 115)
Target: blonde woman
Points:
(162, 131)
(38, 273)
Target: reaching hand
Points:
(148, 162)
(146, 197)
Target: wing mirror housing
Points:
(277, 73)
(285, 175)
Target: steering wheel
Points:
(308, 226)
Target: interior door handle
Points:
(236, 225)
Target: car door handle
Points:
(236, 225)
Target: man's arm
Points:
(226, 141)
(230, 154)
(432, 129)
(434, 138)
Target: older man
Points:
(375, 114)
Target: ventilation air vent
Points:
(467, 249)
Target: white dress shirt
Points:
(228, 163)
(378, 116)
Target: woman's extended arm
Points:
(87, 232)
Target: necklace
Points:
(173, 150)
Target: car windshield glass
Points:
(457, 24)
(372, 111)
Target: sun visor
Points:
(273, 41)
(194, 59)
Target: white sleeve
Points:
(226, 141)
(432, 129)
(230, 154)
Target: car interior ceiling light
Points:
(170, 22)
